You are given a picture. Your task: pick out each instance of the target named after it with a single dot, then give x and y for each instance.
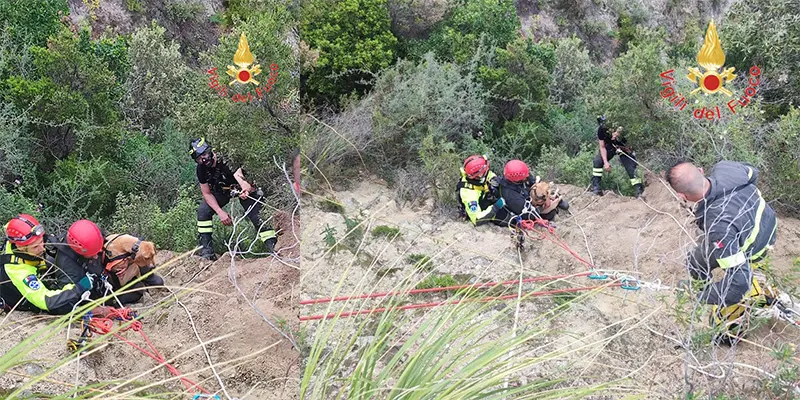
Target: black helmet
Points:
(199, 147)
(601, 119)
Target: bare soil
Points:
(246, 364)
(644, 239)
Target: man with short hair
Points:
(739, 227)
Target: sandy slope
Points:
(216, 308)
(621, 233)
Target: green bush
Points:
(159, 169)
(765, 33)
(519, 78)
(31, 22)
(174, 229)
(158, 78)
(412, 101)
(782, 172)
(571, 73)
(183, 10)
(80, 189)
(458, 36)
(354, 41)
(14, 203)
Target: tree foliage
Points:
(354, 41)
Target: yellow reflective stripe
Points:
(732, 261)
(761, 252)
(759, 213)
(749, 173)
(636, 181)
(266, 235)
(205, 230)
(205, 223)
(597, 172)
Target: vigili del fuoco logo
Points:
(244, 73)
(710, 80)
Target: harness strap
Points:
(109, 261)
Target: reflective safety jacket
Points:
(476, 199)
(19, 283)
(739, 227)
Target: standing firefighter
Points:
(22, 265)
(739, 227)
(216, 179)
(474, 191)
(611, 145)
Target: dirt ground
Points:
(644, 239)
(244, 361)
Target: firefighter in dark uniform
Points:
(514, 189)
(739, 228)
(610, 145)
(216, 176)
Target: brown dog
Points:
(544, 196)
(124, 259)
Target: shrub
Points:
(354, 41)
(457, 37)
(782, 173)
(174, 229)
(765, 33)
(571, 74)
(412, 101)
(518, 79)
(158, 78)
(31, 21)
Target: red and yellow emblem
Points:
(243, 58)
(711, 58)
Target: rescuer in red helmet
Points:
(476, 191)
(80, 251)
(22, 264)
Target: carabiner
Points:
(598, 274)
(629, 283)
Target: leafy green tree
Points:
(572, 73)
(766, 34)
(518, 78)
(158, 78)
(458, 36)
(31, 21)
(782, 175)
(354, 41)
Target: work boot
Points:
(596, 186)
(563, 205)
(638, 190)
(152, 280)
(270, 243)
(207, 251)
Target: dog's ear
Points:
(146, 254)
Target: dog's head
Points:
(139, 252)
(540, 192)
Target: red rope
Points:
(440, 289)
(104, 326)
(431, 305)
(558, 240)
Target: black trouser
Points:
(205, 214)
(627, 162)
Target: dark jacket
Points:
(516, 195)
(738, 225)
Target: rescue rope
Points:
(455, 302)
(441, 289)
(105, 325)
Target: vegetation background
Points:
(415, 86)
(98, 105)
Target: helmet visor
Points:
(37, 230)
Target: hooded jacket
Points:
(739, 227)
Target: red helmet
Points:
(516, 171)
(85, 238)
(476, 167)
(23, 230)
